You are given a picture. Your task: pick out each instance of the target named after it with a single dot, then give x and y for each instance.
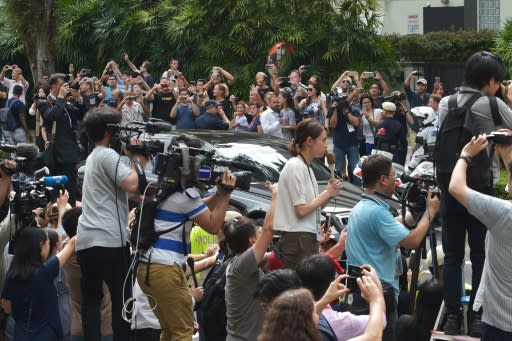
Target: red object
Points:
(280, 45)
(339, 268)
(381, 132)
(274, 262)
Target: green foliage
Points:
(442, 46)
(500, 186)
(503, 45)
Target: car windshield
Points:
(269, 160)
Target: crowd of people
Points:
(73, 272)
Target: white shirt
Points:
(270, 123)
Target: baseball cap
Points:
(389, 106)
(210, 103)
(422, 81)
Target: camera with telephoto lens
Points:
(341, 100)
(499, 137)
(415, 195)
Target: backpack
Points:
(147, 236)
(455, 132)
(7, 120)
(213, 305)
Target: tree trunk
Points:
(40, 42)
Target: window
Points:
(489, 14)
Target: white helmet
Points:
(426, 113)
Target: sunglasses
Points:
(345, 81)
(309, 89)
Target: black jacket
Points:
(66, 147)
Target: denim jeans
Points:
(352, 154)
(109, 264)
(456, 221)
(490, 333)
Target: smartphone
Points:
(306, 67)
(285, 79)
(437, 79)
(9, 67)
(418, 73)
(268, 66)
(353, 272)
(89, 79)
(369, 74)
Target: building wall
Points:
(406, 16)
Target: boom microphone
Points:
(158, 126)
(26, 150)
(236, 164)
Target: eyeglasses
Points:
(310, 89)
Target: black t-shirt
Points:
(91, 101)
(162, 105)
(17, 108)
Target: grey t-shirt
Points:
(244, 312)
(99, 224)
(496, 285)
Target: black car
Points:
(267, 155)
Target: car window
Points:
(269, 160)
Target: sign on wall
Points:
(413, 24)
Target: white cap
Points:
(389, 106)
(422, 81)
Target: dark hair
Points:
(291, 318)
(274, 283)
(289, 99)
(147, 65)
(70, 220)
(378, 85)
(27, 253)
(97, 119)
(374, 167)
(316, 273)
(366, 96)
(481, 67)
(17, 90)
(317, 79)
(428, 302)
(407, 328)
(54, 78)
(238, 232)
(53, 236)
(306, 128)
(183, 89)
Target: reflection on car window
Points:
(269, 160)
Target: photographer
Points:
(131, 110)
(161, 270)
(496, 286)
(163, 98)
(185, 111)
(483, 73)
(345, 121)
(16, 79)
(55, 109)
(374, 234)
(102, 236)
(420, 98)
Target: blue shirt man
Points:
(374, 235)
(213, 118)
(420, 98)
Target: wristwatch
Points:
(466, 158)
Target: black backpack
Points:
(455, 132)
(148, 236)
(213, 305)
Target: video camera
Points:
(186, 166)
(415, 194)
(499, 137)
(395, 98)
(342, 100)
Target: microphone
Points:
(236, 164)
(155, 126)
(190, 263)
(41, 172)
(52, 181)
(331, 160)
(27, 150)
